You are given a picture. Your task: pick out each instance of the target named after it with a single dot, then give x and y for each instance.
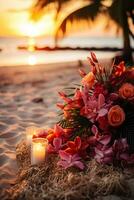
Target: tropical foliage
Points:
(120, 11)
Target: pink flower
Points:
(58, 131)
(101, 139)
(104, 155)
(93, 107)
(120, 148)
(68, 160)
(57, 144)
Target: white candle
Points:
(30, 131)
(38, 150)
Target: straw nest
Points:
(50, 182)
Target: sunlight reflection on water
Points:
(32, 60)
(11, 56)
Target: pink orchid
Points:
(68, 160)
(57, 144)
(93, 107)
(97, 138)
(104, 155)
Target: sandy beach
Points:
(28, 97)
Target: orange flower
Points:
(88, 80)
(116, 116)
(126, 91)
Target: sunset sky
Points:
(14, 21)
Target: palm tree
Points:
(120, 11)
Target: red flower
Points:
(77, 146)
(74, 146)
(119, 69)
(58, 132)
(99, 89)
(103, 123)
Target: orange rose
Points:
(126, 91)
(116, 116)
(88, 80)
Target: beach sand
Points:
(28, 97)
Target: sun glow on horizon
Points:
(34, 29)
(20, 24)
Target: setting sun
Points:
(16, 22)
(34, 29)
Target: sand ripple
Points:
(18, 109)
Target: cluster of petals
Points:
(101, 107)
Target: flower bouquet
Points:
(97, 119)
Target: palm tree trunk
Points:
(127, 51)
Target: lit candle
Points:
(38, 150)
(30, 131)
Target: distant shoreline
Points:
(58, 48)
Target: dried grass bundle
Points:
(49, 182)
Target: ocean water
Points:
(11, 56)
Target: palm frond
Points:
(80, 125)
(40, 5)
(87, 12)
